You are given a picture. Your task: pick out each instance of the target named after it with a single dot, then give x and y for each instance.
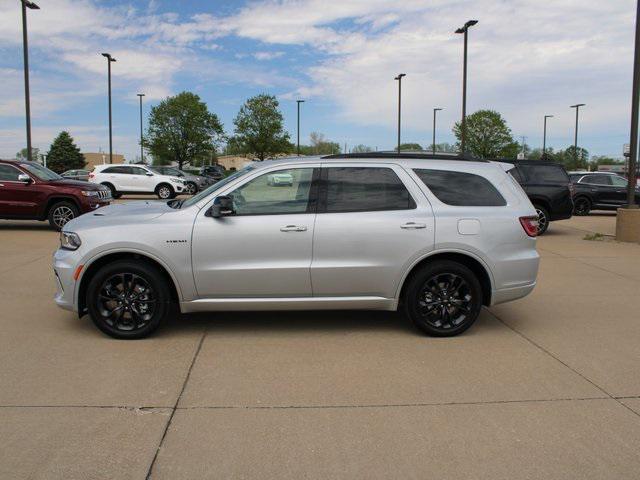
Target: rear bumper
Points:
(508, 294)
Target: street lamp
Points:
(25, 48)
(299, 102)
(575, 137)
(544, 136)
(464, 30)
(433, 145)
(399, 79)
(140, 95)
(109, 60)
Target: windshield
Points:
(167, 171)
(208, 191)
(43, 173)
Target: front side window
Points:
(362, 189)
(461, 189)
(275, 193)
(43, 173)
(8, 173)
(138, 171)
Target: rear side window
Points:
(461, 189)
(116, 170)
(515, 173)
(545, 173)
(362, 189)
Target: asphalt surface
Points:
(545, 387)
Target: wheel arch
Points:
(97, 262)
(465, 258)
(52, 200)
(543, 202)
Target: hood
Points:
(121, 214)
(67, 182)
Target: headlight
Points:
(176, 180)
(90, 193)
(69, 241)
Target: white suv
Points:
(435, 237)
(136, 179)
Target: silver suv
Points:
(433, 236)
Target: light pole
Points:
(140, 95)
(399, 79)
(109, 60)
(464, 30)
(299, 102)
(575, 137)
(544, 136)
(25, 48)
(433, 145)
(635, 101)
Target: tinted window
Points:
(116, 170)
(275, 193)
(619, 181)
(359, 189)
(597, 179)
(574, 177)
(544, 173)
(138, 171)
(461, 189)
(515, 173)
(8, 173)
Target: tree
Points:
(409, 147)
(22, 154)
(443, 147)
(64, 154)
(260, 128)
(488, 135)
(361, 149)
(181, 129)
(321, 146)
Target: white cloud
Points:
(267, 55)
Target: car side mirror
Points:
(24, 178)
(149, 174)
(222, 206)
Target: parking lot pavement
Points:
(546, 387)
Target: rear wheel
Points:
(114, 192)
(191, 188)
(60, 213)
(581, 206)
(164, 191)
(128, 299)
(443, 299)
(543, 219)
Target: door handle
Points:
(1, 184)
(413, 226)
(293, 228)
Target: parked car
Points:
(599, 191)
(29, 191)
(76, 174)
(215, 172)
(277, 179)
(136, 179)
(548, 187)
(350, 232)
(193, 183)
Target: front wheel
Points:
(164, 192)
(128, 299)
(191, 188)
(581, 206)
(443, 299)
(60, 213)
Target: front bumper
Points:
(64, 266)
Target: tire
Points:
(431, 304)
(148, 304)
(581, 206)
(543, 219)
(191, 188)
(165, 191)
(114, 192)
(60, 213)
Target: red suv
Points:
(29, 191)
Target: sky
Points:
(527, 59)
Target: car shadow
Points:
(26, 226)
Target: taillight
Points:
(91, 174)
(530, 225)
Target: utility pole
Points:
(399, 79)
(109, 60)
(299, 102)
(140, 95)
(544, 137)
(575, 137)
(25, 50)
(433, 145)
(464, 30)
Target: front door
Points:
(372, 224)
(264, 248)
(17, 199)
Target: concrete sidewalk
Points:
(546, 387)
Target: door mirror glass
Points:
(222, 206)
(24, 178)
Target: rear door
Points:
(601, 188)
(373, 222)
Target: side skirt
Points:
(295, 303)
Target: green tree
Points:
(361, 149)
(64, 154)
(183, 130)
(488, 136)
(260, 128)
(409, 147)
(444, 147)
(35, 154)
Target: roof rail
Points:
(407, 155)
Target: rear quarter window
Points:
(461, 189)
(545, 173)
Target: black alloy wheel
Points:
(443, 299)
(191, 188)
(128, 300)
(581, 206)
